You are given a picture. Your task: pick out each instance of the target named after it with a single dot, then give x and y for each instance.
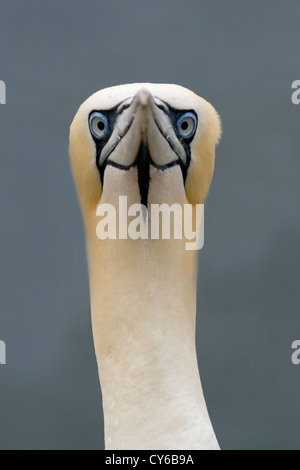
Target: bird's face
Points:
(155, 142)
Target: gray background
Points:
(240, 55)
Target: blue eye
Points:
(187, 124)
(98, 124)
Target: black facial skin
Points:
(111, 116)
(143, 158)
(174, 115)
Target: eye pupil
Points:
(101, 125)
(184, 125)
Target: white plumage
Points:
(154, 143)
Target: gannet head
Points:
(125, 137)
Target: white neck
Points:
(143, 300)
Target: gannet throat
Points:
(154, 144)
(143, 161)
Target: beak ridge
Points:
(144, 121)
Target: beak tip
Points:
(143, 96)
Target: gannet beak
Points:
(143, 120)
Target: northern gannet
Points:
(154, 144)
